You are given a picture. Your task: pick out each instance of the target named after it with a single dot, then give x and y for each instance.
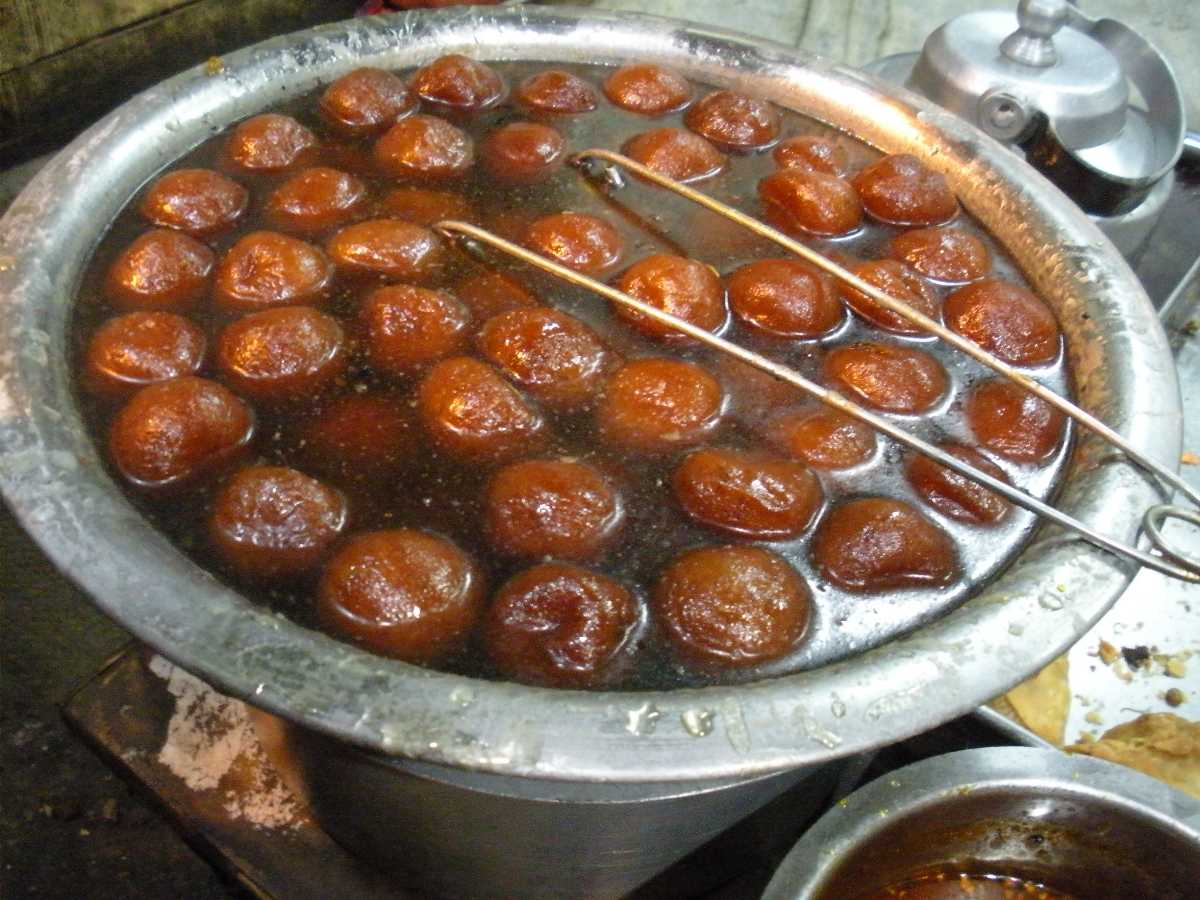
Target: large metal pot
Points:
(54, 481)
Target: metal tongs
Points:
(1171, 562)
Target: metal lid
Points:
(997, 69)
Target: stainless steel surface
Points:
(1183, 568)
(1032, 44)
(1084, 95)
(1073, 820)
(1055, 590)
(460, 834)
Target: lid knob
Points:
(1032, 43)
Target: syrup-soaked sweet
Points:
(875, 543)
(955, 495)
(162, 269)
(675, 153)
(472, 414)
(685, 288)
(555, 357)
(459, 82)
(315, 199)
(266, 269)
(272, 522)
(647, 89)
(886, 377)
(819, 154)
(404, 593)
(899, 282)
(805, 201)
(657, 405)
(733, 120)
(445, 456)
(409, 327)
(177, 430)
(1005, 319)
(578, 241)
(557, 92)
(821, 437)
(747, 494)
(282, 355)
(268, 143)
(522, 152)
(198, 201)
(785, 298)
(365, 101)
(946, 254)
(1013, 423)
(902, 190)
(422, 147)
(141, 348)
(731, 606)
(552, 508)
(387, 248)
(560, 625)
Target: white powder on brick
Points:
(211, 744)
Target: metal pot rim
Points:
(56, 485)
(889, 800)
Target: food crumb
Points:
(1122, 671)
(214, 65)
(1136, 657)
(1107, 653)
(1188, 458)
(1174, 697)
(1093, 718)
(1176, 667)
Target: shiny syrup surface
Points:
(445, 497)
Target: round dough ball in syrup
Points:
(176, 430)
(1013, 423)
(559, 625)
(819, 154)
(365, 101)
(557, 508)
(955, 495)
(675, 153)
(822, 437)
(1006, 320)
(402, 593)
(198, 201)
(162, 269)
(268, 143)
(731, 607)
(804, 201)
(266, 269)
(522, 152)
(387, 248)
(407, 327)
(733, 120)
(658, 405)
(784, 298)
(576, 240)
(491, 293)
(285, 355)
(421, 147)
(458, 82)
(271, 522)
(556, 92)
(888, 378)
(899, 282)
(555, 357)
(876, 543)
(944, 254)
(647, 89)
(427, 207)
(472, 414)
(902, 190)
(747, 494)
(315, 199)
(361, 437)
(685, 288)
(141, 348)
